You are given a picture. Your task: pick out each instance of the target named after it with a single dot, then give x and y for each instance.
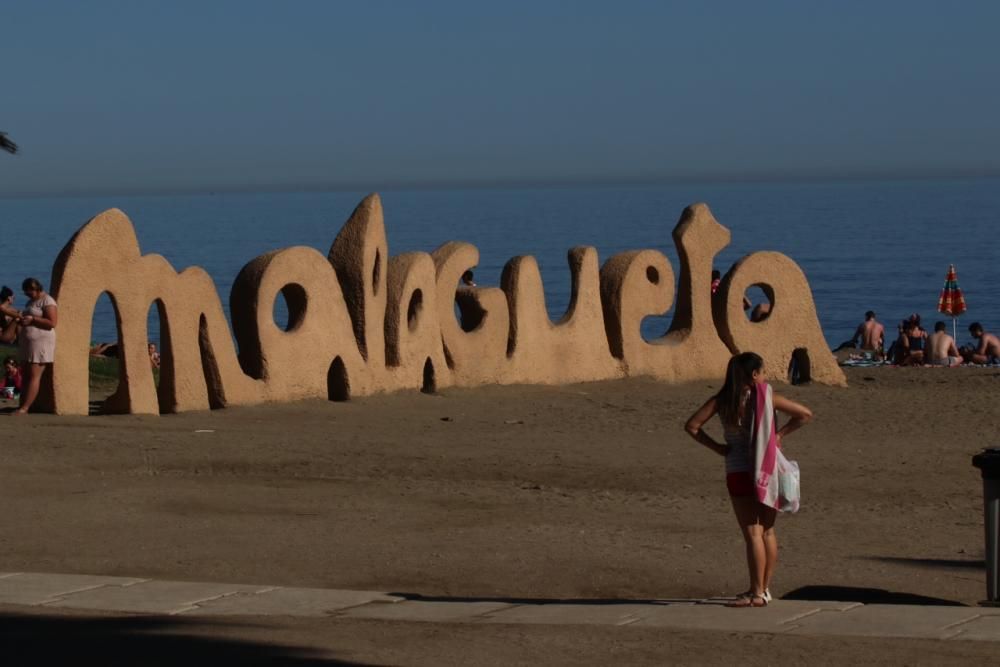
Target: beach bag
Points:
(788, 484)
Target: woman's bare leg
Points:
(34, 381)
(747, 514)
(767, 516)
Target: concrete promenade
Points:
(794, 617)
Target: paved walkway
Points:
(149, 596)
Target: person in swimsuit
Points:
(734, 405)
(988, 350)
(870, 333)
(941, 348)
(10, 318)
(760, 312)
(914, 338)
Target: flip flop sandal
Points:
(741, 602)
(749, 594)
(748, 599)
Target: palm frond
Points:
(7, 144)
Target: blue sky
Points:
(143, 97)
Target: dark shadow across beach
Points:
(865, 596)
(31, 639)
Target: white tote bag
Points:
(788, 484)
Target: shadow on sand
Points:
(865, 596)
(139, 640)
(881, 596)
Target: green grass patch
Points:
(104, 373)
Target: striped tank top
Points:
(739, 456)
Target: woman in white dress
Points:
(37, 340)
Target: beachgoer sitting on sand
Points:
(941, 349)
(914, 340)
(895, 353)
(870, 333)
(735, 404)
(154, 356)
(10, 386)
(104, 350)
(760, 312)
(988, 350)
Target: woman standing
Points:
(735, 407)
(37, 340)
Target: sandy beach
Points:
(589, 491)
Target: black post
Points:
(989, 463)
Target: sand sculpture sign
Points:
(362, 322)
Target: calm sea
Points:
(881, 245)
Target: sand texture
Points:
(586, 491)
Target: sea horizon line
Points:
(391, 185)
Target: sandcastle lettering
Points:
(362, 322)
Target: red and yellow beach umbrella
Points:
(951, 302)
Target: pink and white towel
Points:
(776, 479)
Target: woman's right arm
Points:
(697, 420)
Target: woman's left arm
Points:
(9, 333)
(798, 413)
